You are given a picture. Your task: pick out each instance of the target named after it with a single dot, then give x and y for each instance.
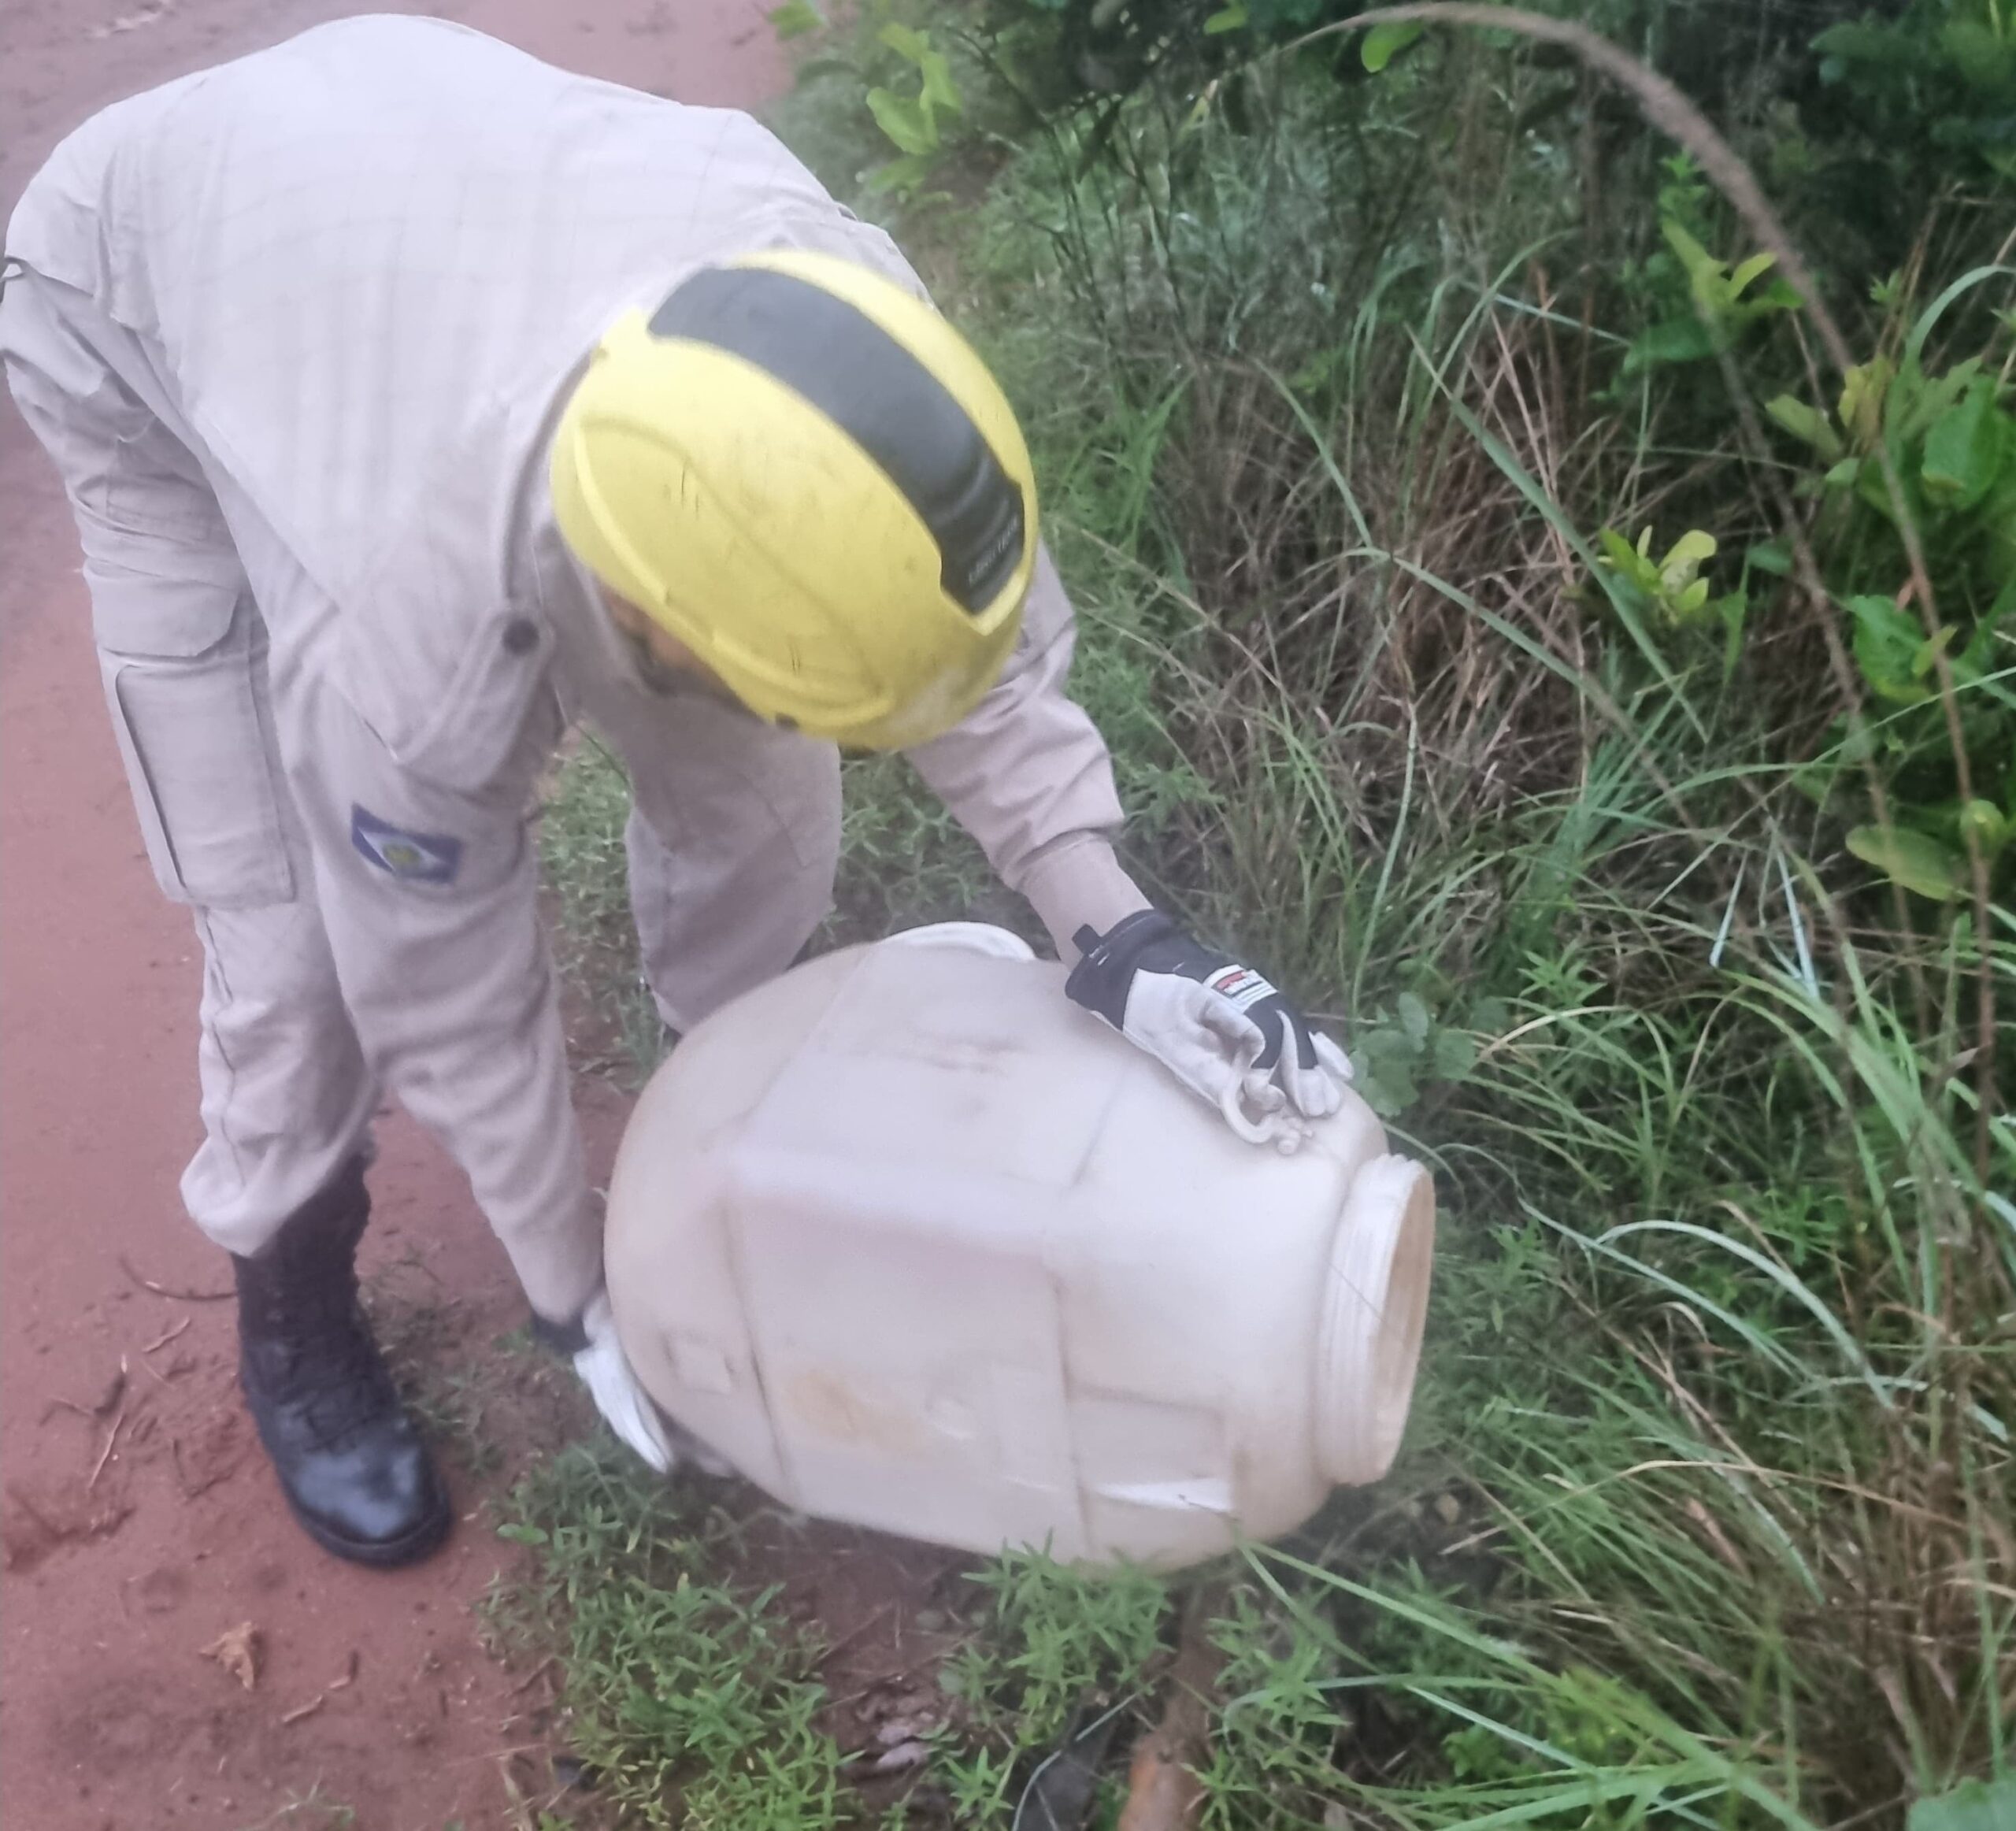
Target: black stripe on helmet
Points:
(844, 363)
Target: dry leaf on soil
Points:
(237, 1650)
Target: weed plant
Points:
(1642, 889)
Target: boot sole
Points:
(378, 1554)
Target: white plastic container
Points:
(915, 1243)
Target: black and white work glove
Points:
(590, 1342)
(1222, 1030)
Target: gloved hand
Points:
(590, 1342)
(1220, 1028)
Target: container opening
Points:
(1374, 1311)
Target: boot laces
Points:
(336, 1368)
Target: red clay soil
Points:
(141, 1523)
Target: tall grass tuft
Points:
(1708, 1514)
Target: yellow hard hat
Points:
(808, 477)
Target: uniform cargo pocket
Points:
(194, 737)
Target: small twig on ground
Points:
(307, 1710)
(537, 1673)
(1163, 1791)
(163, 1340)
(115, 1390)
(882, 1680)
(104, 1454)
(181, 1296)
(857, 1632)
(147, 15)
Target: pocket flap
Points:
(136, 613)
(459, 732)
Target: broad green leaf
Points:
(1985, 646)
(1980, 1805)
(1985, 54)
(1770, 556)
(912, 46)
(899, 176)
(939, 90)
(1703, 270)
(1928, 400)
(1859, 43)
(1998, 517)
(1385, 43)
(1693, 549)
(1926, 656)
(1987, 824)
(1383, 1072)
(1414, 1019)
(1389, 1091)
(1920, 864)
(1887, 643)
(1874, 487)
(1617, 551)
(794, 19)
(1677, 340)
(1229, 19)
(904, 121)
(1387, 1048)
(1863, 393)
(1748, 270)
(1806, 424)
(1454, 1056)
(1965, 450)
(1781, 295)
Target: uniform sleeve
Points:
(429, 896)
(1030, 778)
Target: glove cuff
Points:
(563, 1339)
(1107, 962)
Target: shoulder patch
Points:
(411, 857)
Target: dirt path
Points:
(122, 1563)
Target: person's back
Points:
(341, 251)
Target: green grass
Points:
(582, 859)
(686, 1700)
(478, 1397)
(1707, 1513)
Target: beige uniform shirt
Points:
(313, 314)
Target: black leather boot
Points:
(350, 1462)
